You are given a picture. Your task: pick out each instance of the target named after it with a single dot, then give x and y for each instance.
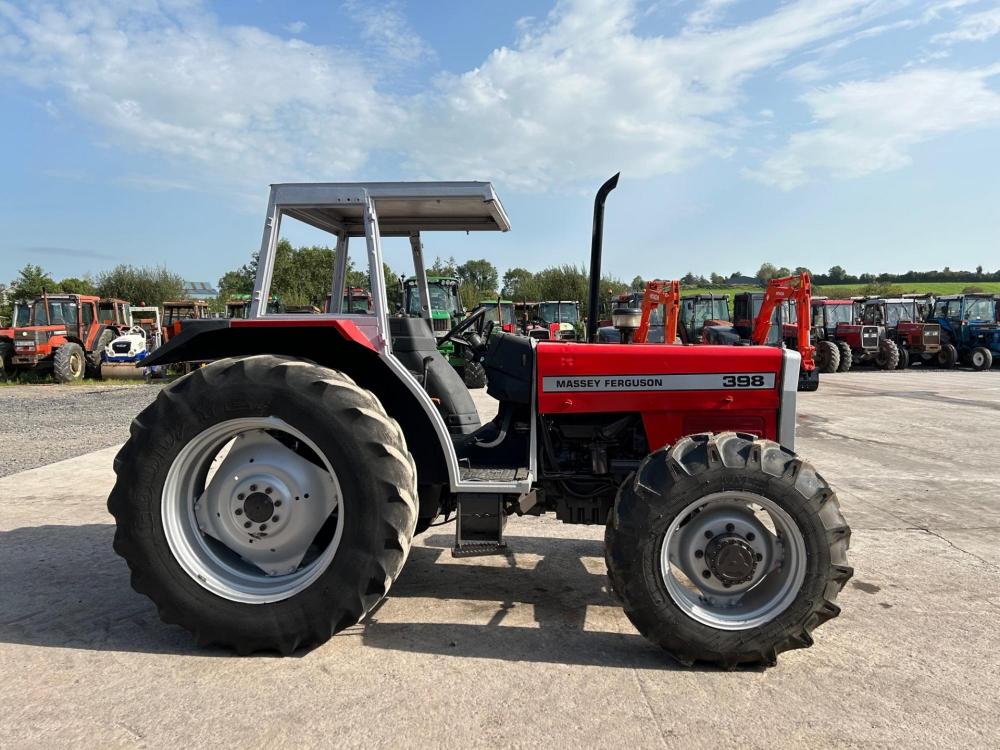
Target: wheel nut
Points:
(239, 511)
(247, 525)
(751, 536)
(240, 496)
(274, 519)
(277, 503)
(730, 528)
(706, 573)
(253, 487)
(263, 526)
(267, 490)
(698, 553)
(759, 557)
(709, 534)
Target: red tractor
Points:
(19, 316)
(65, 334)
(269, 499)
(843, 341)
(900, 325)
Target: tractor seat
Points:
(510, 365)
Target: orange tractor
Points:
(65, 334)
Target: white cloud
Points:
(977, 27)
(296, 27)
(708, 12)
(165, 77)
(386, 31)
(870, 126)
(583, 94)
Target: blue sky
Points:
(864, 133)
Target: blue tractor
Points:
(970, 325)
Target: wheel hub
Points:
(258, 507)
(731, 559)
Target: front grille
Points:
(567, 335)
(441, 324)
(120, 347)
(932, 335)
(869, 337)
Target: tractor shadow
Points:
(64, 587)
(552, 598)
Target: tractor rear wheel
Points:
(948, 356)
(904, 358)
(94, 357)
(727, 549)
(69, 363)
(846, 356)
(981, 358)
(264, 503)
(827, 356)
(474, 375)
(887, 356)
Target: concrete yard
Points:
(529, 649)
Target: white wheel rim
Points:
(244, 544)
(744, 523)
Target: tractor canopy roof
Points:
(493, 302)
(401, 207)
(827, 301)
(434, 279)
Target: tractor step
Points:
(493, 474)
(480, 524)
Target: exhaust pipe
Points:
(596, 247)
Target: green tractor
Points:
(446, 312)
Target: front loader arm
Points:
(799, 290)
(658, 293)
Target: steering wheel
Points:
(475, 340)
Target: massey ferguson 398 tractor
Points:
(268, 499)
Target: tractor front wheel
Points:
(904, 358)
(887, 356)
(981, 358)
(264, 503)
(474, 375)
(94, 357)
(727, 549)
(69, 363)
(827, 356)
(948, 356)
(846, 356)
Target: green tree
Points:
(479, 279)
(802, 269)
(717, 279)
(30, 282)
(766, 272)
(147, 285)
(518, 284)
(836, 275)
(74, 285)
(638, 284)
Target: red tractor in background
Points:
(836, 324)
(19, 316)
(902, 328)
(66, 334)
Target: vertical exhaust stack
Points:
(596, 247)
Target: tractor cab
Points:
(699, 310)
(445, 303)
(501, 312)
(356, 299)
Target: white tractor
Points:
(120, 358)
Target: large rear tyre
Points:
(887, 356)
(264, 503)
(827, 356)
(981, 358)
(846, 356)
(69, 363)
(727, 549)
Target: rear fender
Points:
(336, 344)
